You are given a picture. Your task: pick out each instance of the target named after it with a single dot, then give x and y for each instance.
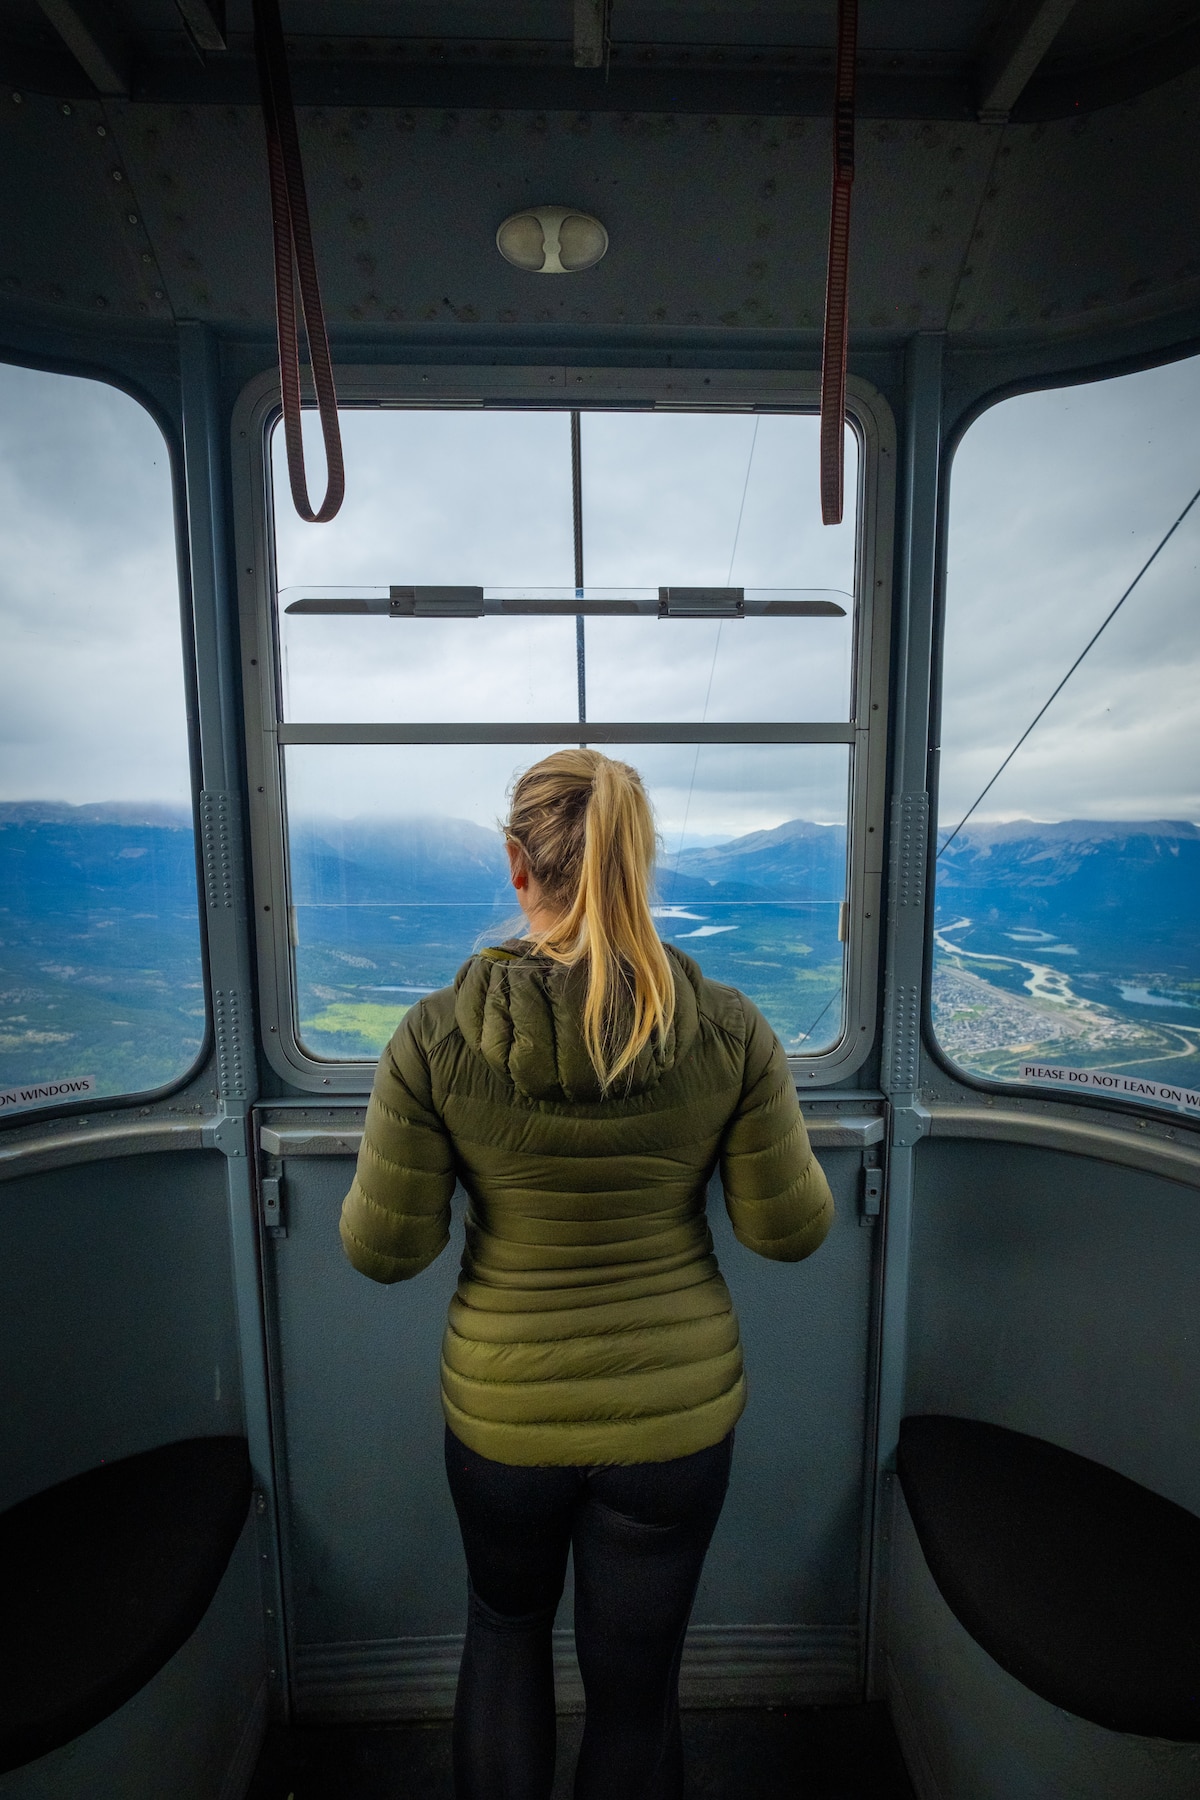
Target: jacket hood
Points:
(521, 1013)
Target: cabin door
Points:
(375, 1574)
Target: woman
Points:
(583, 1083)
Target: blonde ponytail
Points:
(584, 824)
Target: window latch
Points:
(701, 603)
(270, 1189)
(436, 603)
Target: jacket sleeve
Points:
(396, 1217)
(775, 1189)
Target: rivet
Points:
(146, 256)
(117, 175)
(132, 217)
(102, 131)
(66, 108)
(159, 294)
(17, 99)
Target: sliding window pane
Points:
(370, 669)
(398, 872)
(433, 498)
(1067, 950)
(716, 500)
(101, 985)
(714, 671)
(711, 499)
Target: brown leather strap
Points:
(834, 346)
(294, 257)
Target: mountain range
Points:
(1120, 880)
(100, 965)
(1126, 892)
(443, 860)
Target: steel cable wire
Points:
(1096, 635)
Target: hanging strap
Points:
(833, 349)
(294, 256)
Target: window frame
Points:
(558, 388)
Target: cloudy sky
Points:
(485, 498)
(91, 674)
(1056, 499)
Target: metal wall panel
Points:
(117, 1328)
(373, 1546)
(1056, 1294)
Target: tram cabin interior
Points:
(801, 402)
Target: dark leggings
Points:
(639, 1534)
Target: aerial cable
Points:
(294, 259)
(836, 334)
(805, 1035)
(1103, 627)
(737, 530)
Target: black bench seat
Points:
(103, 1578)
(1078, 1581)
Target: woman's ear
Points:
(518, 868)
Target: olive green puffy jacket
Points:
(591, 1323)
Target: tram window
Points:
(1067, 924)
(101, 984)
(396, 867)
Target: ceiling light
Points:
(552, 240)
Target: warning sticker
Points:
(46, 1093)
(1100, 1081)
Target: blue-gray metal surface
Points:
(226, 889)
(906, 887)
(1056, 1295)
(373, 1539)
(117, 1315)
